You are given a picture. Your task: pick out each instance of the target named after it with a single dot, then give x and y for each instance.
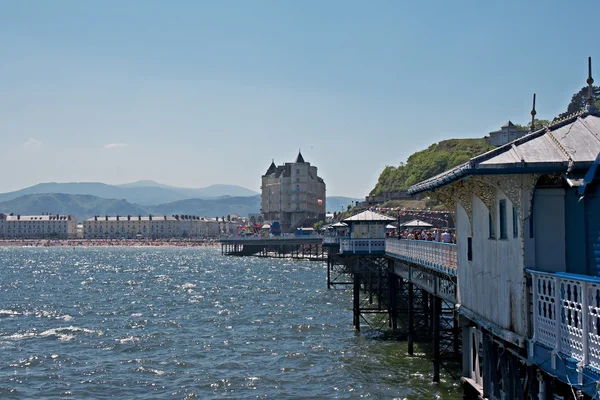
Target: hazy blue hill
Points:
(220, 190)
(210, 208)
(86, 206)
(133, 193)
(339, 203)
(80, 206)
(145, 183)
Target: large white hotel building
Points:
(293, 194)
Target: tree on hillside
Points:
(539, 124)
(579, 100)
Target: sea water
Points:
(178, 323)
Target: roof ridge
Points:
(557, 123)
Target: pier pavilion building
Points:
(528, 239)
(293, 194)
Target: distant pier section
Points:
(296, 247)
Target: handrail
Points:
(565, 316)
(362, 246)
(436, 255)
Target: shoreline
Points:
(108, 243)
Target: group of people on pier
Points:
(435, 235)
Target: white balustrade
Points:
(436, 255)
(566, 315)
(331, 240)
(362, 246)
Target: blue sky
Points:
(193, 93)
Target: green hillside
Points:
(424, 164)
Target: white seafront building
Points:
(37, 226)
(151, 226)
(293, 194)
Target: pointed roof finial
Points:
(272, 168)
(590, 99)
(299, 159)
(533, 113)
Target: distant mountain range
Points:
(86, 199)
(86, 206)
(140, 192)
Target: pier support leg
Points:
(379, 287)
(329, 271)
(437, 308)
(356, 300)
(425, 304)
(392, 298)
(411, 318)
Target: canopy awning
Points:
(339, 225)
(416, 223)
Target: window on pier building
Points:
(503, 233)
(491, 227)
(515, 220)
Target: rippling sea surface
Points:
(175, 323)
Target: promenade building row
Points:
(37, 226)
(101, 227)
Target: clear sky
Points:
(193, 93)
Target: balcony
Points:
(439, 256)
(566, 325)
(362, 246)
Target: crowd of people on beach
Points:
(107, 242)
(435, 235)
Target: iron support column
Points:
(356, 300)
(411, 319)
(437, 308)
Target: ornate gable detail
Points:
(446, 196)
(487, 194)
(512, 186)
(464, 194)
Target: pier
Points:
(295, 247)
(518, 296)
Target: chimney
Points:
(129, 218)
(95, 218)
(117, 217)
(106, 217)
(18, 216)
(165, 217)
(150, 217)
(139, 217)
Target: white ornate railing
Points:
(362, 246)
(331, 239)
(566, 316)
(436, 255)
